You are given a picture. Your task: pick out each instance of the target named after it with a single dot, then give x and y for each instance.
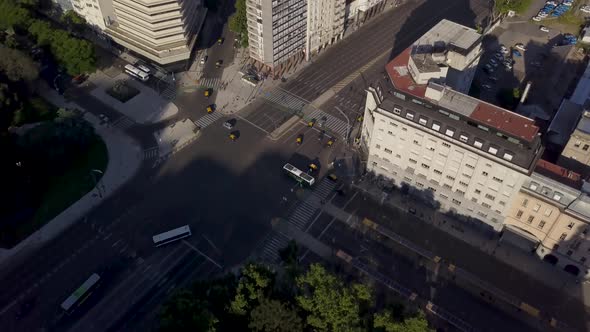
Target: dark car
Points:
(79, 79)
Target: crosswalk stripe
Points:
(333, 123)
(123, 123)
(208, 119)
(210, 82)
(150, 153)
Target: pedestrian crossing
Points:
(285, 99)
(150, 153)
(211, 82)
(170, 92)
(299, 217)
(333, 123)
(208, 119)
(123, 123)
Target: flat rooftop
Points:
(559, 174)
(456, 36)
(584, 124)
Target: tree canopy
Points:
(17, 66)
(238, 22)
(274, 316)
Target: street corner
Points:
(175, 136)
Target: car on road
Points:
(233, 136)
(220, 40)
(493, 78)
(536, 19)
(486, 86)
(543, 28)
(516, 53)
(79, 79)
(229, 124)
(488, 71)
(499, 56)
(412, 210)
(585, 9)
(520, 46)
(218, 63)
(144, 68)
(299, 139)
(208, 92)
(204, 59)
(210, 108)
(332, 177)
(322, 121)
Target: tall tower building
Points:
(97, 13)
(163, 31)
(325, 24)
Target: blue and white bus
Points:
(135, 72)
(299, 175)
(171, 236)
(81, 294)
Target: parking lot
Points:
(541, 58)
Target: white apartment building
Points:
(163, 31)
(276, 30)
(420, 129)
(325, 24)
(97, 13)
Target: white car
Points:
(503, 49)
(520, 46)
(204, 59)
(585, 9)
(536, 19)
(543, 28)
(551, 3)
(542, 14)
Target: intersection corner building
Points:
(421, 128)
(280, 31)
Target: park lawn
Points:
(64, 190)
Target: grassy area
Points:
(34, 110)
(62, 191)
(572, 19)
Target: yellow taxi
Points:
(210, 109)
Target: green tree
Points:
(185, 312)
(10, 103)
(17, 65)
(502, 7)
(255, 282)
(73, 21)
(238, 22)
(384, 321)
(13, 15)
(274, 316)
(331, 305)
(42, 32)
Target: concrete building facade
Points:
(163, 31)
(470, 155)
(325, 24)
(276, 30)
(576, 153)
(98, 13)
(550, 216)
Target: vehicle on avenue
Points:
(516, 53)
(520, 47)
(210, 108)
(488, 71)
(503, 49)
(312, 168)
(486, 86)
(585, 9)
(220, 40)
(543, 28)
(299, 139)
(204, 59)
(229, 124)
(218, 63)
(233, 137)
(208, 92)
(311, 122)
(299, 176)
(330, 142)
(135, 72)
(323, 121)
(81, 294)
(80, 79)
(333, 177)
(171, 235)
(144, 68)
(493, 79)
(536, 19)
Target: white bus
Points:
(171, 236)
(298, 175)
(81, 294)
(131, 70)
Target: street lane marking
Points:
(108, 236)
(202, 254)
(117, 243)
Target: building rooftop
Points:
(559, 174)
(564, 123)
(584, 124)
(582, 91)
(456, 37)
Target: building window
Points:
(419, 184)
(474, 200)
(463, 183)
(413, 161)
(536, 207)
(490, 197)
(450, 178)
(486, 205)
(492, 150)
(557, 196)
(530, 219)
(444, 196)
(450, 132)
(555, 246)
(497, 179)
(390, 133)
(447, 145)
(457, 202)
(586, 146)
(425, 166)
(541, 224)
(570, 225)
(436, 126)
(477, 191)
(569, 252)
(463, 138)
(562, 236)
(484, 173)
(388, 151)
(548, 212)
(437, 172)
(404, 129)
(422, 120)
(502, 203)
(410, 115)
(481, 214)
(397, 110)
(478, 144)
(447, 186)
(416, 142)
(519, 214)
(533, 186)
(460, 192)
(433, 190)
(470, 166)
(377, 146)
(525, 202)
(508, 156)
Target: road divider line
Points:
(202, 254)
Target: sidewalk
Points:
(124, 160)
(526, 263)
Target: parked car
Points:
(229, 124)
(204, 59)
(493, 79)
(536, 19)
(520, 46)
(79, 79)
(503, 49)
(486, 86)
(543, 28)
(585, 9)
(499, 56)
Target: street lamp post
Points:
(96, 183)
